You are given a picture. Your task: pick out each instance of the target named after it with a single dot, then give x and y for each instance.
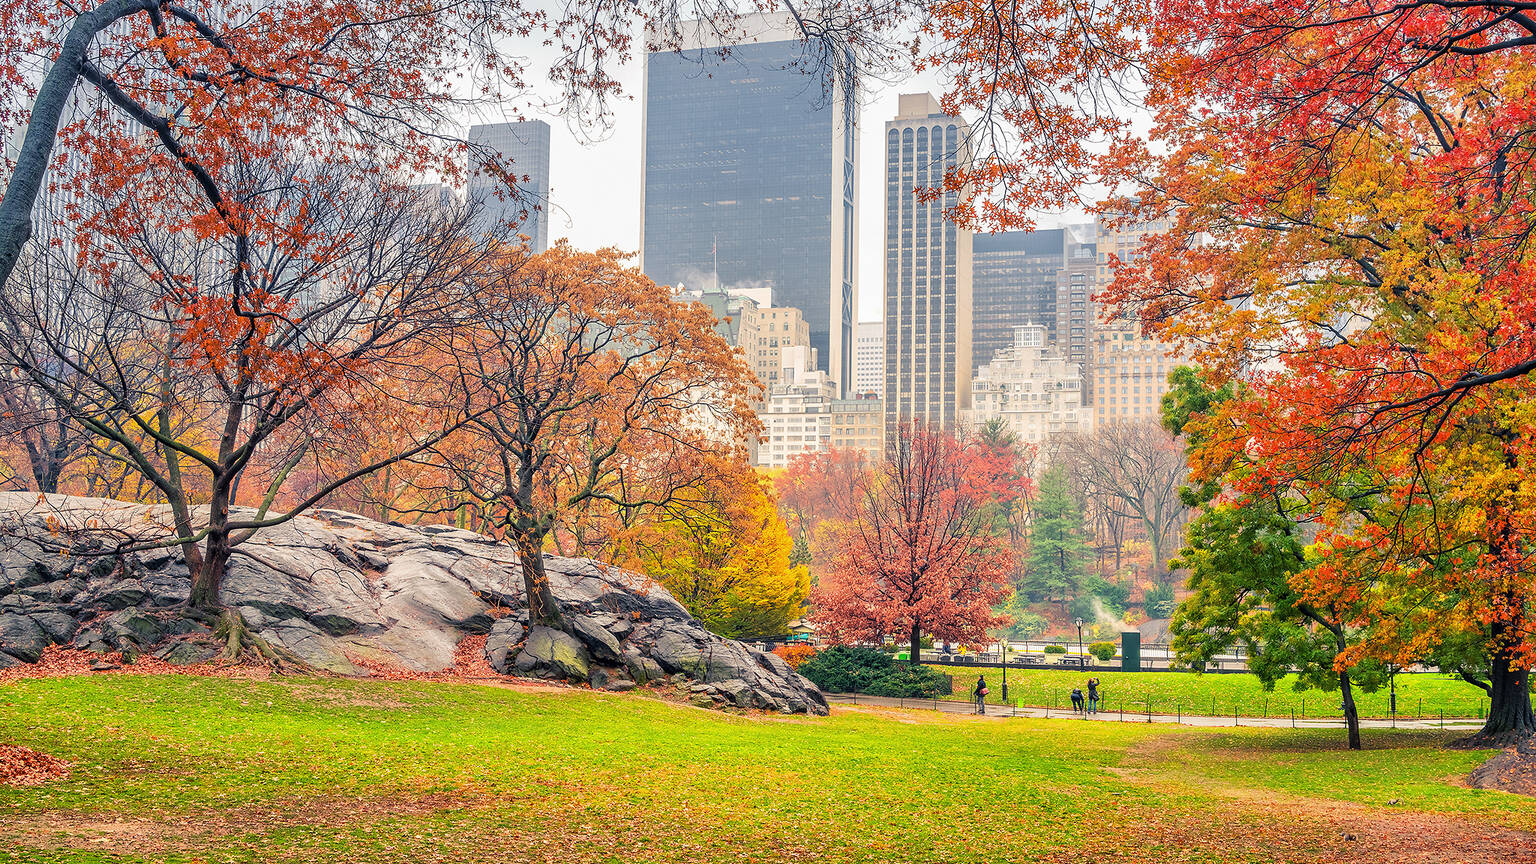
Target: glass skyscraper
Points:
(1014, 275)
(523, 150)
(750, 178)
(927, 270)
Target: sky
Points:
(595, 179)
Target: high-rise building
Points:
(522, 151)
(750, 176)
(1032, 387)
(1075, 283)
(1013, 282)
(859, 424)
(769, 338)
(798, 416)
(869, 359)
(927, 269)
(1128, 372)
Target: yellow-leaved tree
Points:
(727, 558)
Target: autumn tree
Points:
(816, 493)
(191, 350)
(1244, 553)
(589, 384)
(726, 557)
(918, 555)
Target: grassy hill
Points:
(182, 769)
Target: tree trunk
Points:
(1351, 713)
(917, 642)
(1509, 707)
(209, 574)
(542, 608)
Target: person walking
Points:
(1077, 700)
(981, 692)
(1093, 695)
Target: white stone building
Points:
(1038, 393)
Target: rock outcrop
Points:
(337, 590)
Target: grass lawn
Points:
(183, 769)
(1170, 692)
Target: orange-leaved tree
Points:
(589, 383)
(918, 553)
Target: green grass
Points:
(181, 769)
(1219, 694)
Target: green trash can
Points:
(1130, 651)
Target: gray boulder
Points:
(22, 638)
(506, 634)
(331, 586)
(550, 653)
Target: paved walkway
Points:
(1460, 724)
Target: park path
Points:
(947, 707)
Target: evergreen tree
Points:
(1058, 552)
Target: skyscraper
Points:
(1014, 276)
(523, 151)
(750, 178)
(869, 359)
(927, 269)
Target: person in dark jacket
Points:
(1093, 695)
(1077, 699)
(981, 694)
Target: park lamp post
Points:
(1080, 661)
(1005, 670)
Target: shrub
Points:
(846, 668)
(1113, 594)
(1105, 651)
(910, 681)
(1055, 649)
(1159, 601)
(1083, 607)
(795, 653)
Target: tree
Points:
(1132, 470)
(818, 487)
(728, 561)
(192, 350)
(1058, 554)
(918, 555)
(591, 385)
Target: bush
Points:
(795, 653)
(910, 681)
(1113, 594)
(847, 668)
(1105, 651)
(1159, 601)
(1083, 607)
(1055, 649)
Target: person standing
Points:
(1093, 695)
(981, 694)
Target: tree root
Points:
(242, 644)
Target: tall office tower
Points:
(523, 151)
(927, 270)
(869, 360)
(1014, 276)
(1075, 283)
(1128, 373)
(750, 178)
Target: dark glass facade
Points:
(523, 150)
(747, 165)
(1013, 281)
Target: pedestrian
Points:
(1077, 699)
(981, 694)
(1093, 695)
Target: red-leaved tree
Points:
(919, 554)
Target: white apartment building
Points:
(1035, 390)
(869, 359)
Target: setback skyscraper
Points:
(750, 178)
(523, 149)
(1014, 278)
(927, 270)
